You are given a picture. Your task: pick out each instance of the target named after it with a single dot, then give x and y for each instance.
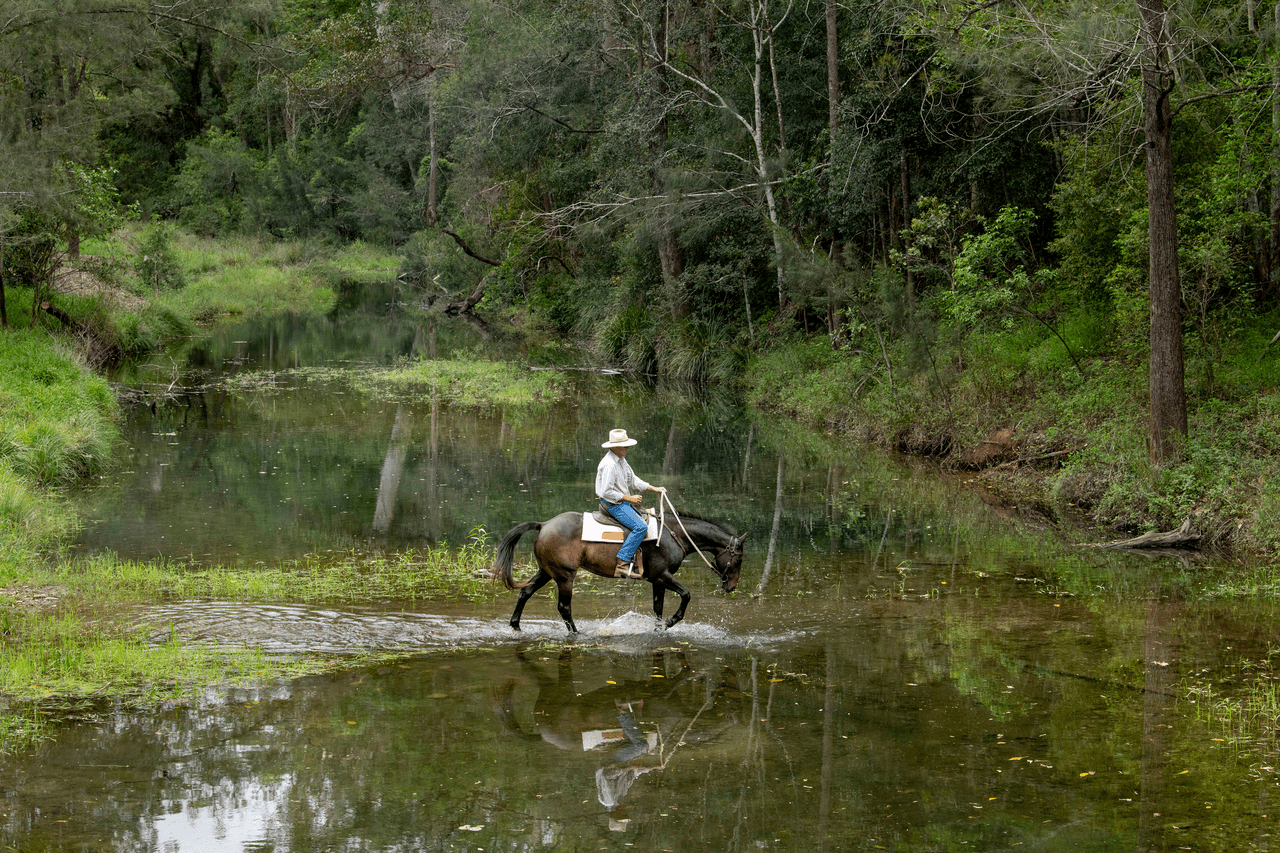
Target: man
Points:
(618, 488)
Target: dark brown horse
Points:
(561, 553)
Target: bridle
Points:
(664, 502)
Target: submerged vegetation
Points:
(457, 381)
(433, 574)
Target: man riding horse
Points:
(618, 488)
(560, 550)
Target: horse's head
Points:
(729, 563)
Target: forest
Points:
(1046, 228)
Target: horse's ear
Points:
(743, 536)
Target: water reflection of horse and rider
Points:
(630, 726)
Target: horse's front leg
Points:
(659, 598)
(667, 581)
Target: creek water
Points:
(903, 667)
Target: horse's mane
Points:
(693, 516)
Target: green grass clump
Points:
(257, 290)
(1245, 706)
(232, 276)
(31, 521)
(57, 420)
(470, 382)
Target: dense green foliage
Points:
(929, 223)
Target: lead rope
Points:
(676, 515)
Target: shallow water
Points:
(902, 668)
(989, 718)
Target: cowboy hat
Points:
(618, 438)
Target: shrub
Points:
(156, 263)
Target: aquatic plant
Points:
(1245, 709)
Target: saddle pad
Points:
(594, 531)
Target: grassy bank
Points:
(202, 280)
(1057, 423)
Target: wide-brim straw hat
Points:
(618, 438)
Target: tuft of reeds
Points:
(1247, 714)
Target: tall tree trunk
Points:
(4, 310)
(906, 224)
(670, 256)
(833, 124)
(1274, 255)
(1167, 371)
(777, 92)
(433, 168)
(833, 71)
(759, 32)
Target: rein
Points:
(662, 523)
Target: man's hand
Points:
(634, 499)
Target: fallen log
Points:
(1183, 537)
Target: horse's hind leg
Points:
(536, 583)
(564, 602)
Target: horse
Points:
(561, 553)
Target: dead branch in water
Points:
(1183, 537)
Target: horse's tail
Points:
(507, 550)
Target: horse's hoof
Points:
(515, 626)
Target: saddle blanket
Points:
(595, 531)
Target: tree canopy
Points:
(681, 181)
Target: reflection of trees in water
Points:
(1160, 665)
(392, 467)
(891, 728)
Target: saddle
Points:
(607, 520)
(599, 526)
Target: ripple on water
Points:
(300, 629)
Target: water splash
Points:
(299, 629)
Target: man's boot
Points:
(628, 571)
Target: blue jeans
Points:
(630, 519)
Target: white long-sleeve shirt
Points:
(615, 479)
